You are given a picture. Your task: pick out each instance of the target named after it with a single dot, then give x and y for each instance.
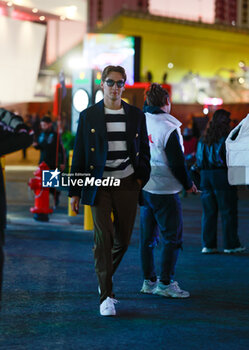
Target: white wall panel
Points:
(63, 36)
(21, 45)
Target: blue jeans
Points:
(162, 211)
(218, 195)
(1, 272)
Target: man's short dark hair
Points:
(46, 119)
(110, 69)
(156, 95)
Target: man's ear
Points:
(102, 84)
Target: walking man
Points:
(111, 142)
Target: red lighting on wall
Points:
(24, 13)
(24, 16)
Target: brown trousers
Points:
(111, 239)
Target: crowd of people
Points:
(145, 151)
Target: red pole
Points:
(58, 126)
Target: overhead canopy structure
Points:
(70, 9)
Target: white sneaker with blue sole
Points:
(171, 290)
(235, 250)
(149, 287)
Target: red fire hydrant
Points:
(41, 208)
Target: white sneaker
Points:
(107, 307)
(235, 250)
(149, 287)
(206, 250)
(171, 291)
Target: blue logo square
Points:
(50, 178)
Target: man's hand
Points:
(193, 189)
(139, 181)
(75, 202)
(62, 167)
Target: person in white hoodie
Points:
(162, 207)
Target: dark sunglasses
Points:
(110, 83)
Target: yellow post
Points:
(70, 212)
(88, 219)
(2, 164)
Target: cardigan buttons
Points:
(137, 154)
(92, 131)
(93, 149)
(91, 167)
(136, 135)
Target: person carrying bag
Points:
(237, 154)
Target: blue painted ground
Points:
(50, 298)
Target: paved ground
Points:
(16, 158)
(50, 298)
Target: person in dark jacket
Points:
(111, 142)
(13, 137)
(217, 194)
(162, 207)
(47, 144)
